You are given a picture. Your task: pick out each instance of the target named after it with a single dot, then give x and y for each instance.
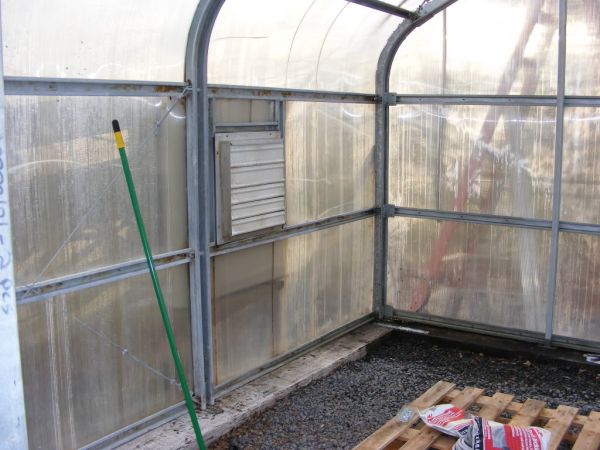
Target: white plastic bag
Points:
(447, 419)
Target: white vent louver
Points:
(250, 182)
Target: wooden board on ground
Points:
(583, 432)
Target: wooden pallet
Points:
(563, 422)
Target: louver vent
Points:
(251, 182)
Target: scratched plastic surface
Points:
(329, 159)
(66, 178)
(307, 44)
(97, 360)
(486, 274)
(133, 40)
(481, 159)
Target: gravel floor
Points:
(342, 409)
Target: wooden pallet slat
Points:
(427, 436)
(560, 424)
(528, 413)
(589, 437)
(393, 428)
(499, 402)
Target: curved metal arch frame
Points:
(382, 81)
(196, 64)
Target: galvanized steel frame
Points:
(34, 292)
(555, 226)
(382, 83)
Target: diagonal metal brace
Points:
(186, 91)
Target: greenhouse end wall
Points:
(493, 170)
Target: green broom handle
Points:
(156, 284)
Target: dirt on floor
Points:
(340, 410)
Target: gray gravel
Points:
(342, 409)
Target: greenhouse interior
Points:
(303, 168)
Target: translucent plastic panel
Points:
(308, 44)
(481, 159)
(70, 207)
(242, 311)
(577, 308)
(326, 281)
(583, 48)
(478, 273)
(243, 111)
(274, 298)
(411, 5)
(329, 159)
(98, 360)
(131, 40)
(581, 165)
(482, 47)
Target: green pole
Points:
(156, 284)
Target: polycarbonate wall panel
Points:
(580, 188)
(482, 159)
(131, 40)
(326, 281)
(274, 298)
(329, 159)
(98, 360)
(583, 48)
(577, 309)
(67, 185)
(486, 274)
(242, 311)
(307, 44)
(482, 47)
(230, 111)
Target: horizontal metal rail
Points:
(582, 101)
(42, 86)
(262, 93)
(89, 87)
(484, 219)
(494, 330)
(58, 286)
(490, 219)
(500, 100)
(463, 325)
(387, 8)
(292, 231)
(516, 100)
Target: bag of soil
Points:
(476, 433)
(488, 435)
(447, 419)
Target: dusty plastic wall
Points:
(497, 160)
(91, 358)
(271, 299)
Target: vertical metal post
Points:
(382, 119)
(558, 153)
(381, 194)
(12, 413)
(199, 192)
